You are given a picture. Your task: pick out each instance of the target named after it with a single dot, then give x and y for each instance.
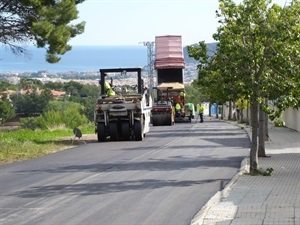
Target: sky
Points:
(132, 22)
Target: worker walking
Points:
(201, 111)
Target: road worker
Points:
(108, 90)
(178, 109)
(182, 96)
(201, 111)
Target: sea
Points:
(79, 59)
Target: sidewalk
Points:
(261, 200)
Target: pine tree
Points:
(44, 23)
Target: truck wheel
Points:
(138, 130)
(154, 121)
(125, 130)
(113, 130)
(169, 120)
(101, 132)
(161, 120)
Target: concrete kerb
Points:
(217, 198)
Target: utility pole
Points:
(150, 66)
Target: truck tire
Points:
(169, 120)
(113, 130)
(154, 121)
(125, 130)
(159, 120)
(138, 130)
(162, 120)
(101, 132)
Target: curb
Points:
(217, 198)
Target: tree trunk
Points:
(230, 110)
(222, 114)
(254, 124)
(209, 109)
(266, 123)
(261, 138)
(241, 112)
(235, 112)
(247, 115)
(241, 115)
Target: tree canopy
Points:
(7, 111)
(44, 23)
(257, 58)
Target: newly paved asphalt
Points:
(164, 179)
(261, 200)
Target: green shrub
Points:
(64, 105)
(58, 115)
(70, 117)
(74, 119)
(30, 123)
(279, 123)
(7, 111)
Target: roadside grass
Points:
(22, 144)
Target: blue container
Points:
(213, 109)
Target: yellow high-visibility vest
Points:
(110, 92)
(107, 85)
(201, 109)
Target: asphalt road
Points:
(165, 179)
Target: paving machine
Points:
(169, 64)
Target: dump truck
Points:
(126, 115)
(169, 64)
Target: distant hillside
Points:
(212, 47)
